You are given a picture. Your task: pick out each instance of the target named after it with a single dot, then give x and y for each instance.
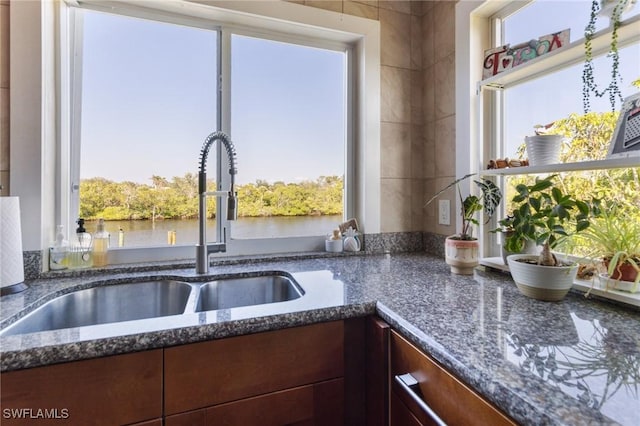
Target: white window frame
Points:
(478, 102)
(280, 20)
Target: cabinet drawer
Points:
(319, 404)
(211, 373)
(452, 400)
(120, 389)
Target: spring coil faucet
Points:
(204, 249)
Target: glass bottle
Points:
(100, 245)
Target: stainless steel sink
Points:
(101, 305)
(246, 291)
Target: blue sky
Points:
(149, 97)
(149, 103)
(542, 101)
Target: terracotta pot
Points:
(461, 255)
(624, 272)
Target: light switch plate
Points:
(444, 215)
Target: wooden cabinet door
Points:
(120, 389)
(452, 400)
(320, 404)
(400, 414)
(377, 375)
(210, 373)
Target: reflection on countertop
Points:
(569, 362)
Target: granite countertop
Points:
(571, 362)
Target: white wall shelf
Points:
(574, 53)
(609, 163)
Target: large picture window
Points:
(148, 92)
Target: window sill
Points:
(581, 285)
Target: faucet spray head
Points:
(232, 206)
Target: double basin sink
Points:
(153, 299)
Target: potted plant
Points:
(461, 250)
(546, 215)
(613, 9)
(615, 238)
(506, 229)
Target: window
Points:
(148, 86)
(510, 104)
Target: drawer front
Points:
(319, 404)
(450, 399)
(211, 373)
(120, 389)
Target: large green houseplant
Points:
(547, 216)
(461, 250)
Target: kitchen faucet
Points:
(203, 248)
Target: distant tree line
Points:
(178, 198)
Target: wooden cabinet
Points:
(290, 376)
(120, 389)
(434, 389)
(317, 404)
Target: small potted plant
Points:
(461, 250)
(506, 229)
(547, 216)
(614, 237)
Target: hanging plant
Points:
(589, 86)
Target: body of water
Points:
(145, 233)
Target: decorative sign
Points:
(626, 137)
(505, 57)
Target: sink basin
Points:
(246, 291)
(101, 305)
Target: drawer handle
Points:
(407, 382)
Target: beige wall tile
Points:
(417, 204)
(335, 6)
(417, 152)
(395, 88)
(443, 29)
(417, 7)
(4, 45)
(295, 1)
(417, 115)
(428, 95)
(395, 150)
(395, 29)
(360, 9)
(428, 54)
(445, 147)
(373, 3)
(429, 150)
(445, 90)
(4, 130)
(397, 5)
(395, 209)
(4, 183)
(416, 42)
(432, 186)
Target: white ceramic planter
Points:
(549, 283)
(461, 255)
(543, 149)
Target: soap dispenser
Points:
(100, 245)
(82, 251)
(58, 254)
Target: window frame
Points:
(359, 37)
(479, 119)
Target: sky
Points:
(149, 97)
(557, 96)
(149, 103)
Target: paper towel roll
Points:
(11, 263)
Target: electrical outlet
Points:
(444, 216)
